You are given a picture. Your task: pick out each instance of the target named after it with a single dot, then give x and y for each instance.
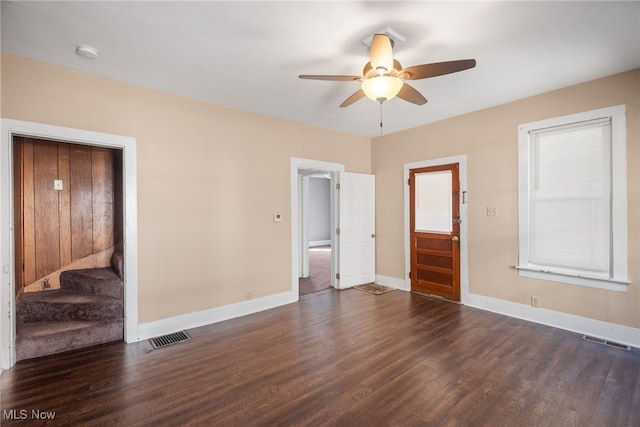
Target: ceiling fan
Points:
(383, 77)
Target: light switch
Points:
(277, 217)
(57, 184)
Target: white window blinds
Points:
(570, 197)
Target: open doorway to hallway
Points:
(315, 197)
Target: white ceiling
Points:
(248, 55)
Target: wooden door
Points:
(435, 231)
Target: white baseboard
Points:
(214, 315)
(392, 282)
(320, 243)
(583, 325)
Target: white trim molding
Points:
(583, 325)
(9, 128)
(214, 315)
(616, 278)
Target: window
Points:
(572, 199)
(434, 188)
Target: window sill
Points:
(591, 282)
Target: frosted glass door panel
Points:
(433, 202)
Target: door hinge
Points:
(337, 276)
(409, 275)
(408, 181)
(338, 231)
(337, 186)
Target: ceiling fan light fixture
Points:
(383, 77)
(382, 88)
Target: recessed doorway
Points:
(127, 147)
(315, 230)
(301, 170)
(315, 189)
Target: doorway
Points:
(352, 218)
(435, 265)
(299, 237)
(126, 146)
(68, 239)
(315, 224)
(434, 219)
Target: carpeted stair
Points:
(87, 310)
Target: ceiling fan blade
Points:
(411, 95)
(381, 53)
(331, 78)
(437, 69)
(353, 98)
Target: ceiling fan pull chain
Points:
(380, 117)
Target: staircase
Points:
(87, 310)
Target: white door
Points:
(356, 224)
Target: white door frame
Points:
(8, 129)
(321, 166)
(464, 277)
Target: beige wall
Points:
(489, 138)
(209, 180)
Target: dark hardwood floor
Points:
(319, 271)
(339, 358)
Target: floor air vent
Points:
(170, 339)
(606, 342)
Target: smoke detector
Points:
(86, 51)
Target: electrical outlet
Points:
(248, 295)
(492, 211)
(535, 302)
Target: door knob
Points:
(455, 238)
(373, 235)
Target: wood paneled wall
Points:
(60, 226)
